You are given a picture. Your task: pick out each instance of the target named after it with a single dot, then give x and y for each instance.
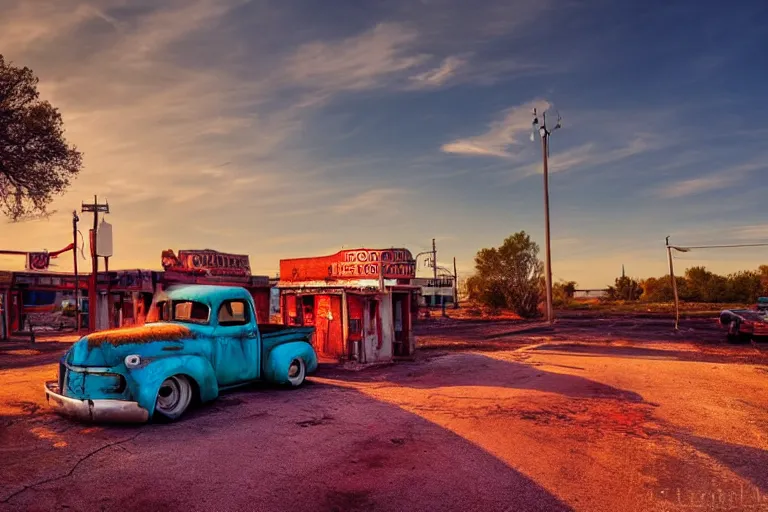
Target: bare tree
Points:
(36, 162)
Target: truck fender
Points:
(146, 379)
(279, 359)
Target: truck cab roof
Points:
(210, 295)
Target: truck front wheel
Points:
(173, 397)
(297, 371)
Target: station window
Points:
(308, 309)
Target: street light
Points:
(544, 133)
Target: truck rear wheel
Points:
(173, 397)
(297, 371)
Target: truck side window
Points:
(233, 312)
(190, 311)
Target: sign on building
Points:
(206, 262)
(38, 261)
(351, 264)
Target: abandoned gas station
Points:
(360, 302)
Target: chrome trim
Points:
(89, 369)
(94, 410)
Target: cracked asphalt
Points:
(489, 416)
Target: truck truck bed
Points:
(274, 334)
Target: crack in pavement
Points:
(72, 470)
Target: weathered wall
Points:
(375, 352)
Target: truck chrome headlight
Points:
(132, 361)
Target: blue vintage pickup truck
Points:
(206, 340)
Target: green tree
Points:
(625, 288)
(763, 271)
(508, 276)
(704, 286)
(562, 292)
(36, 162)
(659, 289)
(745, 286)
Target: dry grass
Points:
(469, 311)
(690, 309)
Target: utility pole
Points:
(544, 133)
(674, 284)
(434, 267)
(75, 220)
(95, 207)
(455, 286)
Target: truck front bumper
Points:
(94, 410)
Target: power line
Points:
(722, 246)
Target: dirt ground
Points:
(603, 415)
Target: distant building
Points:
(590, 294)
(434, 293)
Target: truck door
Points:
(237, 351)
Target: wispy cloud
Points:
(438, 76)
(378, 199)
(724, 178)
(364, 61)
(509, 130)
(753, 232)
(693, 186)
(32, 23)
(587, 155)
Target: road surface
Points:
(536, 420)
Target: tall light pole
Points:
(544, 133)
(75, 220)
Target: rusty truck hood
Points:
(108, 348)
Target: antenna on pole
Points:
(544, 133)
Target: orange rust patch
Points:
(144, 334)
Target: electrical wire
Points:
(722, 246)
(82, 247)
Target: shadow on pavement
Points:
(320, 447)
(748, 462)
(445, 372)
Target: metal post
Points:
(75, 219)
(109, 297)
(674, 285)
(94, 271)
(548, 269)
(92, 300)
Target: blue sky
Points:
(288, 128)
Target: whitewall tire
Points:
(173, 397)
(297, 372)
